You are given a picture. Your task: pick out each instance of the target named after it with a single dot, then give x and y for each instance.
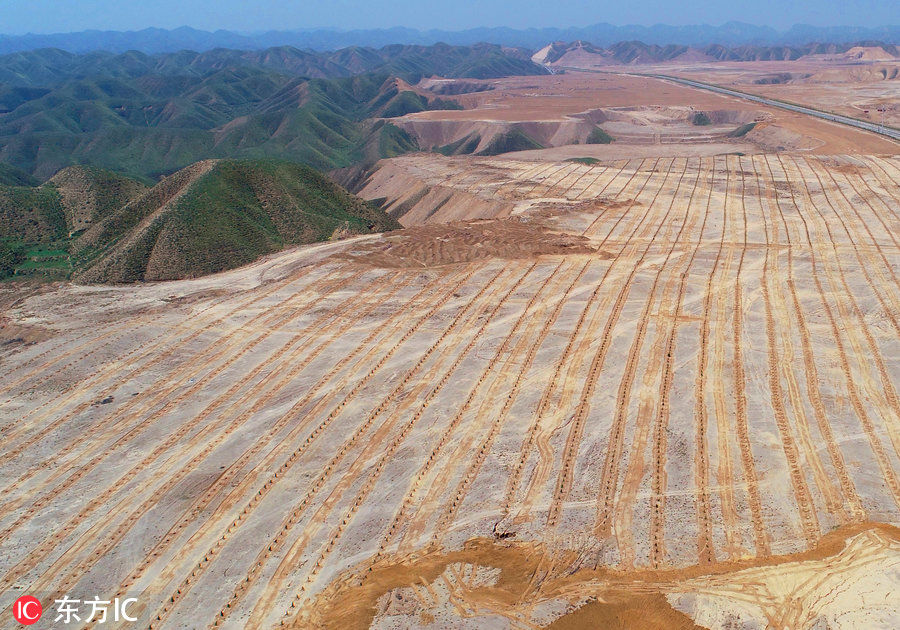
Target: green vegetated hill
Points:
(32, 214)
(180, 164)
(12, 176)
(219, 215)
(48, 67)
(97, 226)
(67, 204)
(88, 194)
(38, 223)
(391, 141)
(150, 115)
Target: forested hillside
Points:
(148, 115)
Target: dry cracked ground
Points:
(654, 392)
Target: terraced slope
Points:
(646, 422)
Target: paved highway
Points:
(846, 120)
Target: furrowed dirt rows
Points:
(707, 372)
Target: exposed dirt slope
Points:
(410, 192)
(444, 244)
(697, 417)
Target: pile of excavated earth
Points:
(655, 386)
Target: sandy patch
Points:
(847, 581)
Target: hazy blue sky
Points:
(51, 16)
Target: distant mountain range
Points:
(49, 66)
(562, 54)
(155, 40)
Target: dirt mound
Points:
(435, 245)
(662, 116)
(443, 134)
(868, 53)
(413, 195)
(776, 138)
(774, 79)
(867, 73)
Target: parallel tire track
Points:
(615, 446)
(113, 372)
(801, 493)
(760, 536)
(661, 427)
(537, 435)
(39, 552)
(225, 479)
(372, 475)
(276, 317)
(108, 540)
(297, 511)
(705, 547)
(635, 465)
(434, 456)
